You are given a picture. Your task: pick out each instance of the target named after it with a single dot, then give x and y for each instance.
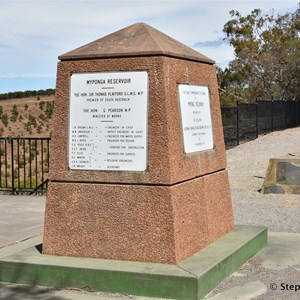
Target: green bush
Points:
(49, 109)
(42, 104)
(4, 119)
(42, 117)
(32, 120)
(14, 111)
(39, 129)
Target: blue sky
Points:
(35, 32)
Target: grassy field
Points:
(26, 117)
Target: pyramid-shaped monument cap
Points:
(136, 40)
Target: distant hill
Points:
(26, 94)
(26, 116)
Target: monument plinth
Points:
(138, 167)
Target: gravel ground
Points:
(247, 166)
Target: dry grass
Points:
(33, 118)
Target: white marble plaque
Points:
(196, 118)
(108, 121)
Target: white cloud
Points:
(221, 55)
(25, 75)
(35, 32)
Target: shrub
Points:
(32, 120)
(21, 162)
(39, 129)
(42, 104)
(28, 127)
(13, 118)
(4, 119)
(42, 117)
(49, 109)
(14, 110)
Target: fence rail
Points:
(24, 162)
(246, 122)
(24, 165)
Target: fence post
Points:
(12, 167)
(297, 113)
(18, 162)
(237, 123)
(285, 114)
(256, 117)
(272, 113)
(5, 163)
(36, 165)
(1, 149)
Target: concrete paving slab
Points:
(19, 246)
(25, 292)
(22, 217)
(283, 251)
(247, 291)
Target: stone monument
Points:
(138, 200)
(138, 166)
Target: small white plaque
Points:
(108, 121)
(196, 118)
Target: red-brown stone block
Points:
(136, 222)
(167, 164)
(174, 208)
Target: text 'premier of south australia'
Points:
(108, 121)
(196, 118)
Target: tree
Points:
(49, 109)
(267, 56)
(15, 113)
(32, 120)
(20, 94)
(4, 119)
(42, 104)
(229, 87)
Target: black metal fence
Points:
(246, 122)
(24, 162)
(24, 165)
